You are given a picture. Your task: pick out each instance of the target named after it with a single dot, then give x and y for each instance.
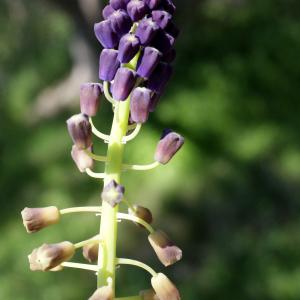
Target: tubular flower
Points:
(139, 104)
(146, 31)
(120, 22)
(107, 11)
(167, 147)
(48, 257)
(128, 48)
(105, 34)
(149, 60)
(165, 249)
(142, 213)
(35, 219)
(137, 9)
(123, 84)
(82, 159)
(80, 131)
(90, 94)
(164, 288)
(108, 64)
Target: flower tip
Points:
(164, 288)
(113, 193)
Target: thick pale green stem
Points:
(108, 227)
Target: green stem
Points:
(113, 168)
(132, 262)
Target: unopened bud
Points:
(164, 288)
(128, 47)
(164, 248)
(148, 295)
(118, 4)
(113, 193)
(105, 34)
(108, 64)
(90, 251)
(35, 219)
(82, 160)
(146, 31)
(168, 146)
(48, 257)
(120, 22)
(123, 84)
(162, 18)
(80, 131)
(139, 104)
(107, 11)
(142, 213)
(163, 42)
(103, 293)
(148, 61)
(137, 10)
(90, 94)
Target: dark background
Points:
(230, 198)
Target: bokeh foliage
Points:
(230, 198)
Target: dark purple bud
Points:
(108, 64)
(90, 98)
(80, 131)
(163, 42)
(137, 10)
(153, 3)
(154, 101)
(113, 193)
(90, 251)
(161, 18)
(139, 104)
(118, 4)
(142, 213)
(105, 34)
(107, 11)
(148, 62)
(120, 22)
(123, 84)
(167, 147)
(128, 47)
(160, 77)
(172, 30)
(170, 56)
(169, 6)
(146, 31)
(82, 159)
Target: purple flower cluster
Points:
(138, 37)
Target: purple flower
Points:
(137, 10)
(113, 193)
(163, 42)
(118, 4)
(108, 64)
(153, 3)
(128, 47)
(160, 77)
(90, 98)
(123, 84)
(167, 147)
(146, 31)
(105, 34)
(148, 61)
(162, 18)
(142, 213)
(120, 22)
(107, 11)
(139, 104)
(80, 131)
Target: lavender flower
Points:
(107, 11)
(82, 159)
(139, 104)
(154, 101)
(146, 31)
(137, 10)
(120, 22)
(161, 18)
(90, 98)
(48, 257)
(105, 34)
(80, 131)
(108, 64)
(167, 147)
(118, 4)
(160, 77)
(128, 47)
(113, 193)
(164, 288)
(123, 84)
(149, 60)
(153, 3)
(35, 219)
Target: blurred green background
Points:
(230, 198)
